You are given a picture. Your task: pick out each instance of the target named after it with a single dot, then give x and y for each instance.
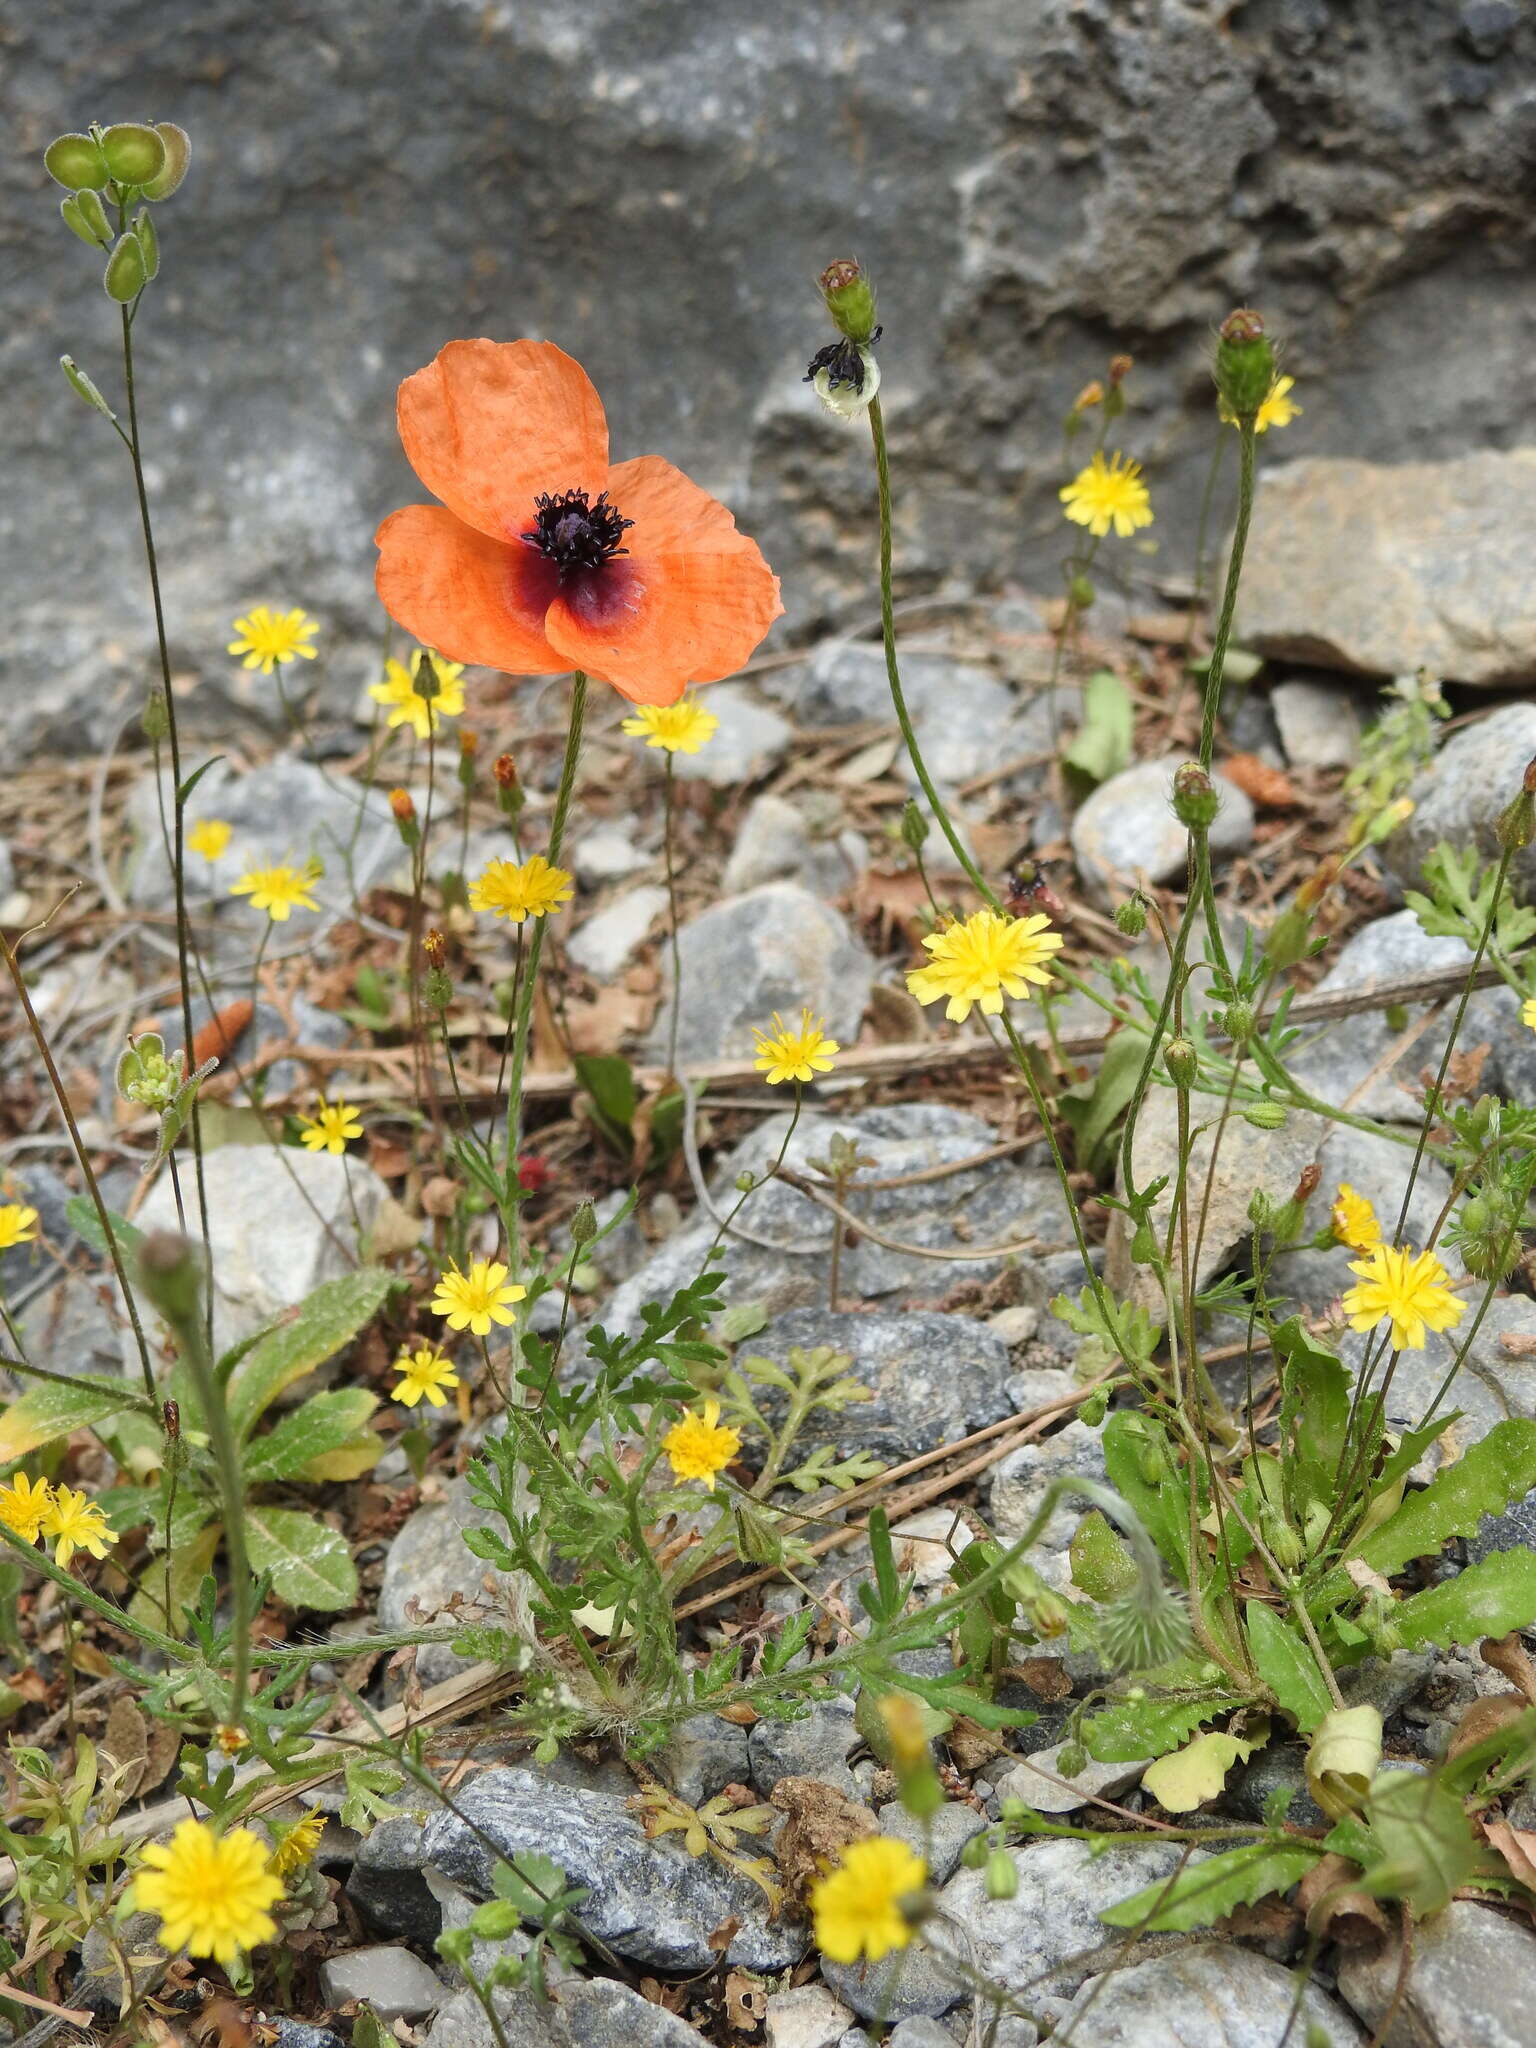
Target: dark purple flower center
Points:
(575, 534)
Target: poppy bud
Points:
(914, 826)
(1179, 1058)
(584, 1224)
(1002, 1878)
(850, 298)
(134, 152)
(1245, 365)
(126, 273)
(1131, 917)
(76, 162)
(178, 154)
(1264, 1116)
(156, 719)
(85, 216)
(1195, 802)
(1237, 1021)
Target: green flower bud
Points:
(1264, 1116)
(437, 989)
(1131, 917)
(1002, 1878)
(1289, 938)
(83, 387)
(428, 682)
(506, 1973)
(914, 825)
(1261, 1210)
(975, 1853)
(1517, 825)
(546, 1750)
(757, 1537)
(746, 1182)
(1180, 1060)
(495, 1920)
(850, 299)
(1284, 1545)
(1237, 1021)
(584, 1223)
(134, 151)
(157, 717)
(76, 162)
(1080, 594)
(171, 1275)
(455, 1945)
(1195, 802)
(178, 154)
(85, 216)
(1071, 1760)
(149, 241)
(1094, 1409)
(126, 273)
(1245, 365)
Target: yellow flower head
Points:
(1278, 410)
(279, 891)
(406, 704)
(1108, 494)
(532, 890)
(984, 959)
(680, 728)
(330, 1127)
(209, 837)
(1353, 1220)
(476, 1299)
(858, 1906)
(298, 1846)
(699, 1446)
(1405, 1289)
(785, 1054)
(24, 1505)
(211, 1891)
(267, 638)
(76, 1523)
(423, 1375)
(1528, 1012)
(18, 1224)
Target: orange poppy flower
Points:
(542, 557)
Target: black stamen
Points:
(843, 362)
(574, 534)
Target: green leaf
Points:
(1287, 1667)
(311, 1565)
(1101, 746)
(1129, 1729)
(1487, 1599)
(1093, 1108)
(1314, 1414)
(86, 1225)
(196, 777)
(609, 1081)
(1421, 1838)
(330, 1317)
(1198, 1772)
(1204, 1892)
(50, 1409)
(1142, 1471)
(191, 1560)
(325, 1423)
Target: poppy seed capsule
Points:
(1244, 368)
(1195, 802)
(850, 298)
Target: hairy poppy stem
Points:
(1216, 672)
(524, 1023)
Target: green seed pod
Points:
(1517, 824)
(745, 1182)
(76, 162)
(1264, 1116)
(1131, 917)
(1180, 1060)
(1002, 1878)
(914, 826)
(82, 386)
(1245, 365)
(85, 216)
(178, 154)
(126, 275)
(134, 152)
(850, 298)
(495, 1920)
(1195, 802)
(149, 241)
(1094, 1409)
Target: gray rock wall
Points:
(1034, 183)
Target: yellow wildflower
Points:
(278, 891)
(785, 1054)
(1108, 494)
(423, 1375)
(1353, 1220)
(211, 1891)
(1278, 410)
(330, 1127)
(18, 1224)
(532, 890)
(983, 959)
(1405, 1289)
(680, 728)
(700, 1445)
(406, 704)
(476, 1299)
(267, 638)
(24, 1505)
(209, 837)
(858, 1907)
(76, 1523)
(298, 1846)
(1528, 1012)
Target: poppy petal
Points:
(670, 511)
(650, 625)
(471, 598)
(488, 425)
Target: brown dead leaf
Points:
(1508, 1656)
(603, 1023)
(1484, 1718)
(223, 2024)
(1464, 1073)
(821, 1823)
(1518, 1344)
(1331, 1908)
(740, 1714)
(895, 905)
(126, 1741)
(1046, 1677)
(895, 1017)
(971, 1746)
(217, 1039)
(746, 2002)
(1271, 788)
(1159, 629)
(722, 1937)
(1518, 1848)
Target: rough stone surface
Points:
(817, 1745)
(395, 1983)
(1019, 1485)
(1460, 795)
(1209, 1996)
(1471, 1984)
(1040, 1782)
(386, 1881)
(430, 1564)
(752, 738)
(649, 1900)
(1127, 828)
(1319, 724)
(702, 1756)
(610, 937)
(776, 843)
(940, 1840)
(595, 2013)
(1382, 568)
(776, 948)
(984, 1205)
(809, 2016)
(281, 1223)
(1491, 1385)
(607, 854)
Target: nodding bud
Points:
(914, 826)
(171, 1276)
(584, 1224)
(1244, 368)
(157, 717)
(1131, 917)
(1179, 1058)
(1307, 1183)
(850, 298)
(435, 947)
(1264, 1116)
(1120, 367)
(400, 802)
(1517, 824)
(1080, 593)
(1002, 1875)
(1195, 802)
(426, 679)
(1091, 394)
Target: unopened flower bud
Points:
(1091, 394)
(469, 748)
(1264, 1116)
(1120, 367)
(914, 825)
(1195, 802)
(745, 1182)
(850, 298)
(584, 1224)
(157, 717)
(426, 681)
(975, 1853)
(1237, 1021)
(1071, 1760)
(1245, 365)
(1289, 938)
(436, 989)
(509, 791)
(496, 1920)
(1002, 1878)
(1517, 823)
(455, 1945)
(1131, 917)
(1284, 1545)
(1179, 1058)
(1261, 1210)
(405, 817)
(1080, 593)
